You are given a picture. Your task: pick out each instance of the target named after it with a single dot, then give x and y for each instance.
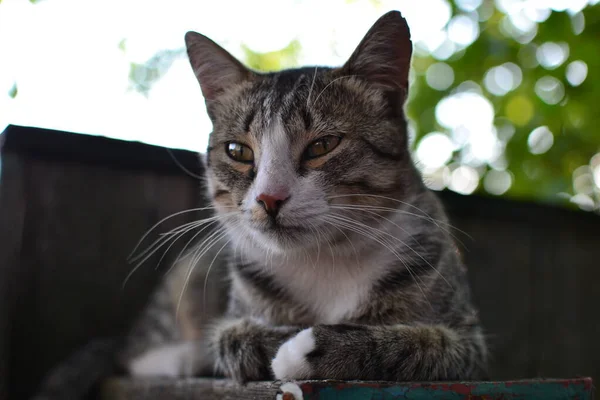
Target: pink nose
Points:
(271, 203)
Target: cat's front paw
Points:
(241, 353)
(291, 360)
(176, 360)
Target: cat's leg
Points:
(153, 333)
(177, 359)
(393, 353)
(245, 347)
(170, 337)
(156, 346)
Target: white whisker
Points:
(177, 237)
(163, 220)
(424, 215)
(412, 249)
(363, 229)
(349, 241)
(220, 234)
(180, 257)
(182, 167)
(209, 269)
(311, 87)
(331, 83)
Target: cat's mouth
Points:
(272, 226)
(284, 235)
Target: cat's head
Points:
(292, 151)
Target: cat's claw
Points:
(291, 362)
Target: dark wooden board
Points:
(73, 206)
(12, 215)
(213, 389)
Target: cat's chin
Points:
(282, 238)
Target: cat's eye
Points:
(239, 152)
(321, 147)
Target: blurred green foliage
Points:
(274, 60)
(13, 91)
(539, 75)
(143, 75)
(574, 120)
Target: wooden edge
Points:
(205, 388)
(49, 144)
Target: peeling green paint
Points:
(580, 389)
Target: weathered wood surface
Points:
(11, 226)
(533, 270)
(213, 389)
(70, 226)
(72, 207)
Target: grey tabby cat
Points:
(340, 261)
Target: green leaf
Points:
(122, 44)
(13, 91)
(274, 60)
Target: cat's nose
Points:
(271, 203)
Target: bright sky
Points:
(65, 58)
(70, 73)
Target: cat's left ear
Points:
(383, 56)
(216, 69)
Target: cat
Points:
(340, 260)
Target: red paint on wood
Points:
(460, 388)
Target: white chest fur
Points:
(333, 289)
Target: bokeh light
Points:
(502, 79)
(583, 180)
(497, 182)
(467, 109)
(550, 89)
(463, 30)
(584, 201)
(468, 5)
(434, 151)
(464, 180)
(437, 178)
(595, 165)
(540, 140)
(576, 72)
(440, 76)
(551, 55)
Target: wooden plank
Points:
(500, 281)
(209, 389)
(12, 215)
(66, 147)
(566, 315)
(82, 222)
(87, 200)
(533, 270)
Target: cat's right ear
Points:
(214, 67)
(383, 56)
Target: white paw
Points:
(171, 360)
(290, 388)
(290, 361)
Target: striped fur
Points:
(357, 275)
